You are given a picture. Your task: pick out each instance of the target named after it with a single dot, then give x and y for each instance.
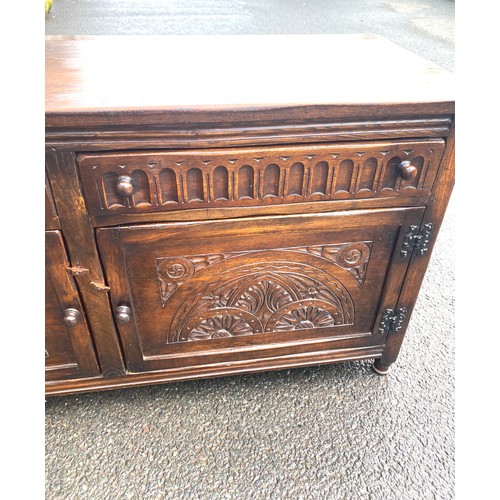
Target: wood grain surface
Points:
(274, 77)
(203, 292)
(69, 351)
(134, 183)
(231, 204)
(84, 258)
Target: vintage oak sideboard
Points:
(223, 205)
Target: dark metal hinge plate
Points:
(417, 240)
(392, 321)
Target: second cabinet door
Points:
(69, 350)
(188, 294)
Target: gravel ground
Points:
(328, 432)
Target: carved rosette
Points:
(173, 271)
(218, 327)
(304, 318)
(262, 298)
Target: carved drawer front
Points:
(133, 183)
(69, 350)
(186, 294)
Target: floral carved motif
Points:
(262, 298)
(218, 327)
(173, 271)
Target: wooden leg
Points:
(379, 368)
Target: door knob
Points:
(71, 317)
(407, 171)
(124, 186)
(123, 314)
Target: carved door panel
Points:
(69, 350)
(188, 294)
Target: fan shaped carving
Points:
(173, 271)
(262, 298)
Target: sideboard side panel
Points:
(418, 265)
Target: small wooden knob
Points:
(407, 171)
(123, 314)
(71, 317)
(124, 186)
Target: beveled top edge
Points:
(99, 78)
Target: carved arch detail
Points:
(262, 298)
(173, 271)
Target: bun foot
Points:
(379, 368)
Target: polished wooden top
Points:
(121, 75)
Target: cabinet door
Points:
(69, 350)
(191, 294)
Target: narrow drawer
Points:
(145, 182)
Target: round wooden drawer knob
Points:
(71, 317)
(407, 171)
(124, 186)
(123, 314)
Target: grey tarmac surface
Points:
(328, 432)
(426, 27)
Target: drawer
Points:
(119, 185)
(198, 293)
(69, 351)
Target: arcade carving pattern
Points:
(173, 271)
(172, 181)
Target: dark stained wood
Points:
(225, 133)
(51, 218)
(69, 351)
(199, 214)
(134, 111)
(131, 183)
(217, 290)
(244, 223)
(319, 354)
(243, 80)
(434, 213)
(84, 259)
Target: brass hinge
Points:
(392, 321)
(417, 240)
